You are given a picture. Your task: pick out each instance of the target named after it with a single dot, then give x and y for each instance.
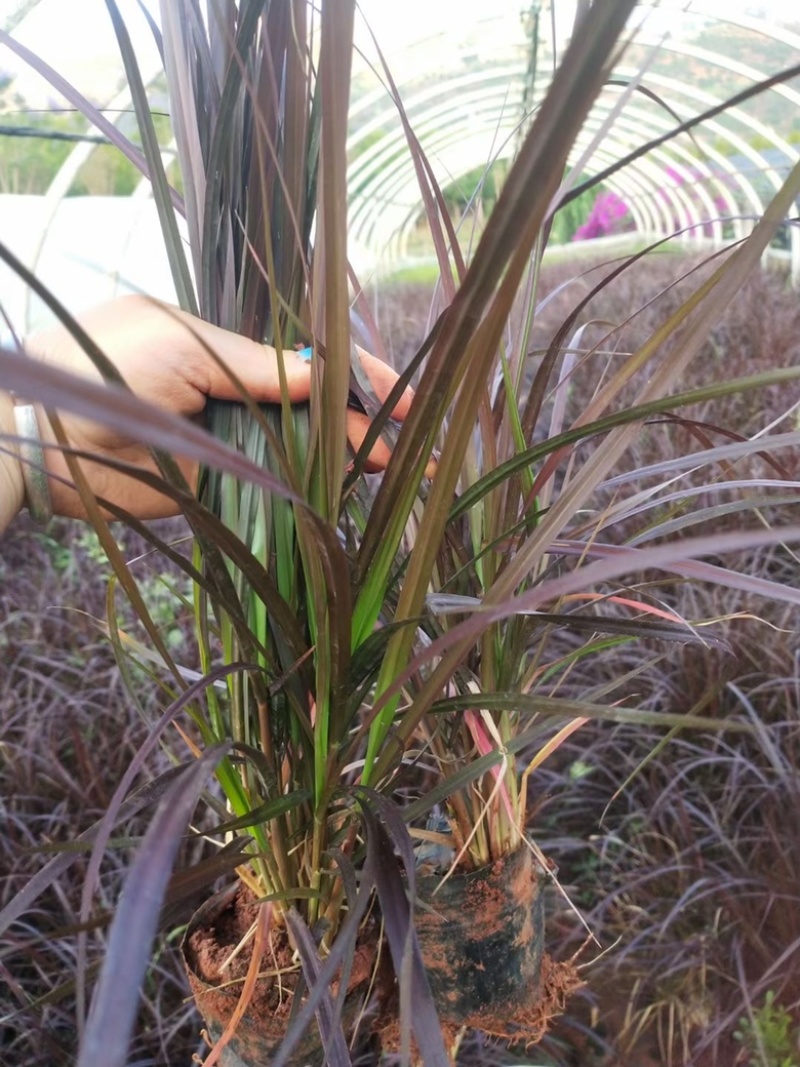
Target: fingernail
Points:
(306, 354)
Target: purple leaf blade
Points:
(116, 999)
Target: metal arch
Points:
(741, 70)
(730, 135)
(377, 228)
(377, 225)
(395, 191)
(661, 161)
(388, 182)
(630, 119)
(696, 7)
(733, 66)
(644, 178)
(440, 114)
(704, 9)
(377, 156)
(722, 161)
(701, 172)
(634, 117)
(783, 35)
(492, 95)
(687, 168)
(648, 123)
(507, 73)
(719, 186)
(664, 208)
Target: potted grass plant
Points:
(342, 630)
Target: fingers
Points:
(380, 453)
(172, 358)
(383, 379)
(255, 365)
(157, 346)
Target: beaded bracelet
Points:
(31, 454)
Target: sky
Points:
(76, 37)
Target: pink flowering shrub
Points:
(609, 215)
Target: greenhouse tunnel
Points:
(469, 87)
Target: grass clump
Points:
(370, 658)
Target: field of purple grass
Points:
(69, 729)
(683, 858)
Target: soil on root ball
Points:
(216, 976)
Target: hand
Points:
(161, 353)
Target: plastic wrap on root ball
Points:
(481, 934)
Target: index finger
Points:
(383, 379)
(254, 364)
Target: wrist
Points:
(12, 485)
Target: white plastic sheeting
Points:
(462, 71)
(86, 250)
(469, 114)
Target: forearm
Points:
(12, 488)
